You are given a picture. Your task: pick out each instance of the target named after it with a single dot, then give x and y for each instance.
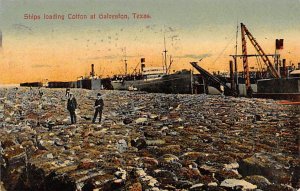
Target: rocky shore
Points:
(147, 142)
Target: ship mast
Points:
(235, 61)
(165, 52)
(162, 61)
(125, 62)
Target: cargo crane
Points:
(272, 71)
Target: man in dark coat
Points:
(72, 106)
(98, 108)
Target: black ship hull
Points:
(283, 89)
(179, 82)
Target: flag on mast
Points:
(279, 44)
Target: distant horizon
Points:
(9, 85)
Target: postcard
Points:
(149, 95)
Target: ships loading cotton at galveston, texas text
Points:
(78, 16)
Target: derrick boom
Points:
(260, 51)
(245, 61)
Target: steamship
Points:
(155, 80)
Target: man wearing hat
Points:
(71, 106)
(98, 108)
(68, 93)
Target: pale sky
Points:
(65, 49)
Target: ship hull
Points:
(284, 88)
(173, 83)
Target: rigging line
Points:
(236, 37)
(221, 53)
(259, 63)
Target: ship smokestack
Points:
(142, 64)
(284, 68)
(93, 71)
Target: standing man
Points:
(72, 106)
(67, 93)
(98, 108)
